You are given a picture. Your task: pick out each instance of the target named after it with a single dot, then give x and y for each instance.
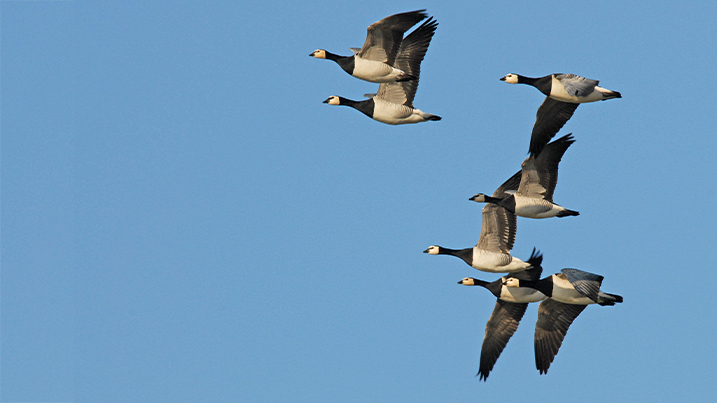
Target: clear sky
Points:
(182, 219)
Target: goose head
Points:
(468, 281)
(512, 282)
(510, 78)
(333, 100)
(479, 198)
(433, 250)
(319, 54)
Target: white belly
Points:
(521, 294)
(375, 72)
(394, 114)
(494, 262)
(529, 207)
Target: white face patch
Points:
(334, 100)
(479, 198)
(511, 78)
(512, 282)
(432, 250)
(467, 281)
(319, 54)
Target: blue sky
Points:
(182, 219)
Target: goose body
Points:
(497, 235)
(393, 103)
(568, 292)
(509, 309)
(375, 61)
(533, 197)
(566, 87)
(384, 111)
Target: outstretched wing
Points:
(497, 230)
(554, 319)
(551, 117)
(500, 328)
(413, 50)
(383, 38)
(540, 174)
(509, 186)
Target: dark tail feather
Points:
(567, 213)
(611, 95)
(434, 117)
(608, 299)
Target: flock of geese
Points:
(394, 62)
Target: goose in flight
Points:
(533, 198)
(564, 92)
(375, 61)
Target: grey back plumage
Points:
(587, 284)
(576, 85)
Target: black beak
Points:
(501, 79)
(327, 101)
(425, 251)
(460, 282)
(312, 53)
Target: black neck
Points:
(494, 287)
(545, 286)
(490, 199)
(543, 84)
(465, 254)
(346, 62)
(365, 106)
